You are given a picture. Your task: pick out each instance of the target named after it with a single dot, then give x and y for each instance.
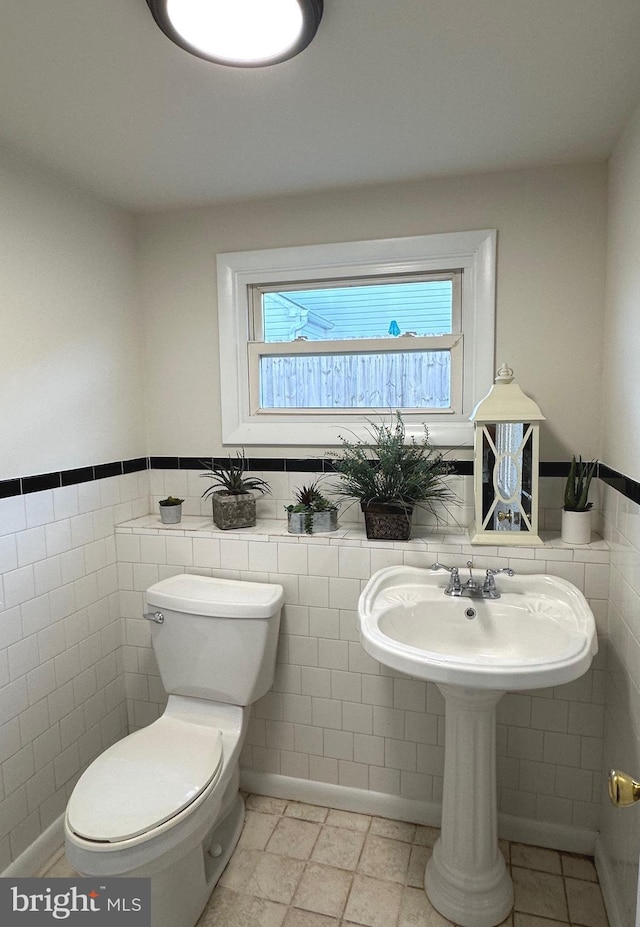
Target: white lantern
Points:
(505, 465)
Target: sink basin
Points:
(540, 632)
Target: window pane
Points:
(413, 380)
(371, 311)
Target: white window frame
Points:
(474, 252)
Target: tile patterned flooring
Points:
(299, 865)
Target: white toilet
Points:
(163, 802)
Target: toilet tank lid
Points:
(222, 598)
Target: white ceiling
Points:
(388, 90)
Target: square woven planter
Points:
(387, 522)
(233, 511)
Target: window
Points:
(315, 339)
(364, 344)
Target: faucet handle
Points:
(455, 585)
(489, 585)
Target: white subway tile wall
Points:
(73, 644)
(62, 694)
(619, 829)
(335, 715)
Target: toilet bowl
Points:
(163, 802)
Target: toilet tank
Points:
(218, 637)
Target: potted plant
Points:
(576, 511)
(234, 505)
(389, 475)
(312, 511)
(170, 510)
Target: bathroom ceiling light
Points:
(239, 33)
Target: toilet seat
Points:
(131, 789)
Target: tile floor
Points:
(300, 865)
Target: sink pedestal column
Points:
(466, 879)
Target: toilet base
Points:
(185, 857)
(180, 893)
(181, 886)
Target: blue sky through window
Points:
(370, 311)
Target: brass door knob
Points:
(623, 790)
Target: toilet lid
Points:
(145, 779)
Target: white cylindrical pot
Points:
(576, 527)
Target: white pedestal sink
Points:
(540, 632)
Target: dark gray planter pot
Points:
(233, 511)
(170, 514)
(298, 522)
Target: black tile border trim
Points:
(290, 464)
(43, 481)
(627, 487)
(10, 488)
(24, 485)
(554, 468)
(79, 475)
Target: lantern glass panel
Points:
(507, 476)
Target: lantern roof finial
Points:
(505, 374)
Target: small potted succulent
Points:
(232, 493)
(170, 510)
(389, 475)
(576, 511)
(312, 512)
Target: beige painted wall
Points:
(551, 250)
(621, 449)
(620, 834)
(70, 348)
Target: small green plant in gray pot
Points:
(389, 475)
(170, 510)
(576, 511)
(312, 512)
(232, 493)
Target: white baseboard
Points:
(608, 887)
(340, 797)
(33, 860)
(522, 830)
(546, 834)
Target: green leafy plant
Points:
(171, 500)
(231, 478)
(576, 492)
(309, 500)
(389, 469)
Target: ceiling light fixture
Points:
(239, 33)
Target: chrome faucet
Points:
(472, 588)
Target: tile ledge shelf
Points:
(353, 535)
